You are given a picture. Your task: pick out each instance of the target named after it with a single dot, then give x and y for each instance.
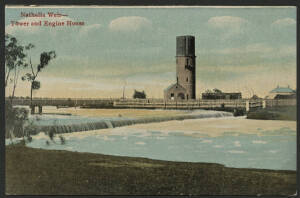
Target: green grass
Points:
(274, 113)
(51, 172)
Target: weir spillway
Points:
(104, 124)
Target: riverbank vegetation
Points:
(274, 113)
(15, 119)
(50, 172)
(17, 58)
(17, 124)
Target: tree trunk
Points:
(16, 75)
(7, 76)
(23, 132)
(13, 94)
(11, 134)
(31, 94)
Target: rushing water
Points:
(272, 149)
(264, 148)
(75, 123)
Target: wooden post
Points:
(32, 108)
(40, 109)
(247, 105)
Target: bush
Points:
(274, 113)
(62, 139)
(15, 119)
(29, 139)
(138, 94)
(239, 112)
(51, 135)
(30, 129)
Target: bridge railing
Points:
(184, 104)
(153, 102)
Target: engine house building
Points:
(282, 93)
(185, 86)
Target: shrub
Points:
(51, 134)
(62, 139)
(30, 129)
(139, 94)
(15, 119)
(37, 118)
(29, 139)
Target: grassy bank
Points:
(37, 172)
(274, 113)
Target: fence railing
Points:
(190, 104)
(281, 102)
(156, 103)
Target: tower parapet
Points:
(185, 46)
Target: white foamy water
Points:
(232, 141)
(263, 148)
(76, 123)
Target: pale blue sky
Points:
(237, 49)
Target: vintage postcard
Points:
(150, 100)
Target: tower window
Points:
(187, 79)
(187, 61)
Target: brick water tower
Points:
(186, 64)
(185, 86)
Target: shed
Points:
(175, 92)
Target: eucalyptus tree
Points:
(15, 60)
(45, 59)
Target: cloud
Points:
(140, 143)
(226, 21)
(129, 24)
(259, 142)
(230, 25)
(206, 141)
(282, 74)
(273, 151)
(82, 84)
(287, 50)
(218, 146)
(251, 48)
(237, 144)
(236, 151)
(257, 49)
(283, 22)
(89, 28)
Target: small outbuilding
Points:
(175, 92)
(282, 93)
